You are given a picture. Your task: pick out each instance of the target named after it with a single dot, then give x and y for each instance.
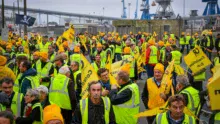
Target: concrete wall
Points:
(159, 26)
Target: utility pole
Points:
(25, 14)
(129, 6)
(184, 2)
(3, 14)
(19, 26)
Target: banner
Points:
(214, 91)
(88, 75)
(196, 60)
(25, 20)
(69, 34)
(141, 62)
(111, 77)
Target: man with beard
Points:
(94, 109)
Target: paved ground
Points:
(141, 83)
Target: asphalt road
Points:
(141, 83)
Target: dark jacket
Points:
(24, 82)
(95, 114)
(217, 42)
(122, 97)
(35, 115)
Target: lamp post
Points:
(25, 13)
(3, 14)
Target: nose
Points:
(178, 110)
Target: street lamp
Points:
(103, 10)
(129, 5)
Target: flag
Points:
(111, 77)
(214, 91)
(25, 20)
(197, 60)
(69, 34)
(141, 62)
(88, 75)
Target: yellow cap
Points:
(44, 55)
(159, 67)
(99, 45)
(127, 50)
(161, 43)
(3, 60)
(52, 112)
(210, 32)
(131, 33)
(183, 33)
(165, 33)
(65, 44)
(139, 32)
(196, 34)
(61, 49)
(18, 43)
(126, 68)
(187, 34)
(168, 44)
(9, 47)
(76, 49)
(37, 53)
(151, 42)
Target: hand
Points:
(114, 86)
(163, 96)
(166, 72)
(105, 92)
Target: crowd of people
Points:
(41, 79)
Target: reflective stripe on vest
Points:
(188, 39)
(199, 77)
(162, 119)
(130, 59)
(124, 113)
(34, 81)
(16, 84)
(153, 55)
(58, 92)
(43, 72)
(94, 65)
(216, 61)
(177, 56)
(16, 104)
(44, 48)
(41, 113)
(75, 76)
(217, 118)
(193, 98)
(162, 54)
(2, 108)
(75, 57)
(84, 109)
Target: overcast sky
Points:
(113, 8)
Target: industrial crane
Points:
(145, 7)
(124, 15)
(135, 13)
(212, 7)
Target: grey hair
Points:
(34, 93)
(64, 70)
(43, 88)
(182, 79)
